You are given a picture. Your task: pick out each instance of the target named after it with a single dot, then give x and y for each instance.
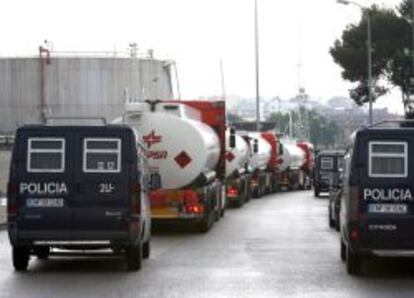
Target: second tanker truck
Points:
(185, 149)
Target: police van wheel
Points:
(353, 262)
(133, 256)
(146, 249)
(343, 250)
(20, 258)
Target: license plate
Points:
(388, 208)
(40, 203)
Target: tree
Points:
(390, 41)
(232, 118)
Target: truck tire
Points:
(343, 251)
(207, 222)
(146, 249)
(133, 257)
(353, 262)
(316, 192)
(20, 257)
(331, 222)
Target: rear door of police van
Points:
(102, 181)
(42, 179)
(386, 208)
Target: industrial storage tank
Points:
(76, 86)
(237, 157)
(178, 142)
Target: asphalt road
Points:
(278, 246)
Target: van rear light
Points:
(135, 207)
(135, 187)
(354, 202)
(12, 209)
(354, 235)
(11, 188)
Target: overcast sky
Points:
(197, 34)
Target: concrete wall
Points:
(4, 171)
(77, 87)
(4, 176)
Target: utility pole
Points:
(256, 37)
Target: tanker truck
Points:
(238, 176)
(185, 148)
(296, 164)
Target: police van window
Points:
(101, 155)
(388, 159)
(326, 163)
(46, 155)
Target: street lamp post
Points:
(369, 52)
(256, 42)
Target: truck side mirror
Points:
(232, 140)
(155, 181)
(256, 146)
(280, 148)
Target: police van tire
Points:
(343, 251)
(133, 256)
(20, 258)
(353, 262)
(146, 249)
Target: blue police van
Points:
(78, 188)
(377, 204)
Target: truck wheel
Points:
(146, 249)
(207, 222)
(42, 252)
(331, 222)
(343, 251)
(353, 262)
(133, 256)
(20, 257)
(316, 192)
(338, 224)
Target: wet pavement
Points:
(277, 246)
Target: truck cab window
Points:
(388, 159)
(46, 155)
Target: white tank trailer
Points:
(34, 88)
(185, 153)
(237, 165)
(293, 160)
(263, 181)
